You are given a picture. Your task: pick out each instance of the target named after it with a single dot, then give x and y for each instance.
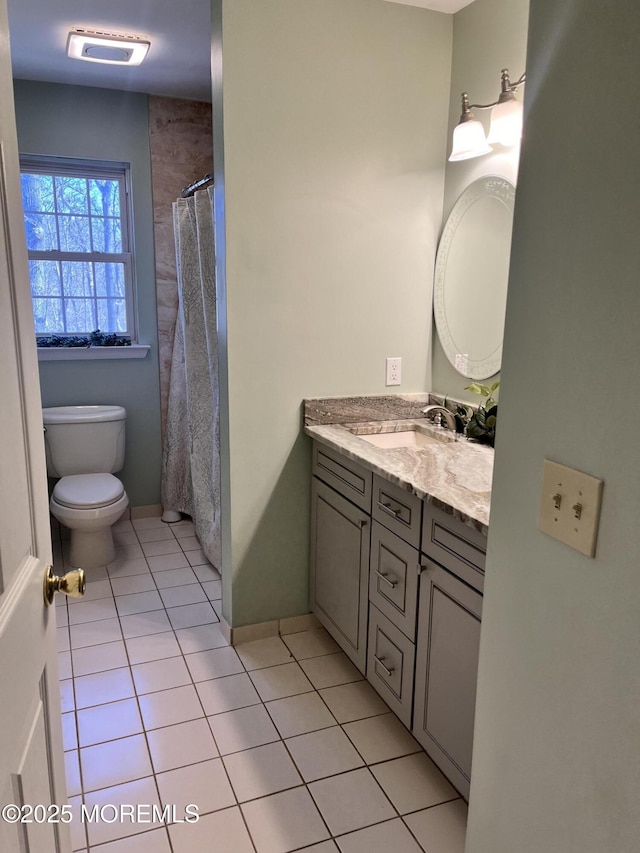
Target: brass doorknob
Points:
(72, 583)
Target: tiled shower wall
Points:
(181, 153)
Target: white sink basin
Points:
(406, 438)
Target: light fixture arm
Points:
(506, 93)
(509, 85)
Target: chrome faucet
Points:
(440, 417)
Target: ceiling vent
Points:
(109, 48)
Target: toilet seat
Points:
(88, 491)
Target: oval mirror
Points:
(472, 270)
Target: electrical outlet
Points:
(394, 371)
(570, 507)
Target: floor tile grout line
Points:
(290, 754)
(261, 702)
(220, 757)
(195, 682)
(294, 788)
(304, 783)
(414, 836)
(75, 720)
(151, 610)
(266, 705)
(284, 738)
(369, 826)
(144, 730)
(103, 844)
(432, 806)
(363, 766)
(199, 700)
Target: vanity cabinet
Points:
(398, 584)
(340, 547)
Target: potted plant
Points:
(479, 423)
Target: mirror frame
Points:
(489, 186)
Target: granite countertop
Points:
(453, 474)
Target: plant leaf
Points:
(475, 388)
(473, 430)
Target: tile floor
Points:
(280, 742)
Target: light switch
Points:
(570, 507)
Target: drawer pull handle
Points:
(389, 509)
(388, 672)
(386, 579)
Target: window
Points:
(79, 246)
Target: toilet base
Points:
(91, 534)
(91, 548)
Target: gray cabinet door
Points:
(447, 671)
(340, 545)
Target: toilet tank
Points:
(84, 439)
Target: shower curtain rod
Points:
(197, 185)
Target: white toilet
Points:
(84, 445)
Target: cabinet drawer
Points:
(344, 475)
(454, 545)
(393, 580)
(398, 510)
(390, 664)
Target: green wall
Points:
(78, 121)
(555, 763)
(335, 115)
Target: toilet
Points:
(84, 446)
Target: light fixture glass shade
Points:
(469, 141)
(506, 123)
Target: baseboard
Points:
(294, 624)
(226, 629)
(264, 630)
(150, 511)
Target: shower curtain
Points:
(191, 452)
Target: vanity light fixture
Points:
(109, 48)
(469, 139)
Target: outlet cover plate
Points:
(570, 507)
(394, 371)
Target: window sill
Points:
(83, 353)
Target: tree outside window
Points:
(76, 223)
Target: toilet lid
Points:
(88, 491)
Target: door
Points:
(340, 543)
(31, 757)
(446, 672)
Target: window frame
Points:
(92, 169)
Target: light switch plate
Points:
(570, 507)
